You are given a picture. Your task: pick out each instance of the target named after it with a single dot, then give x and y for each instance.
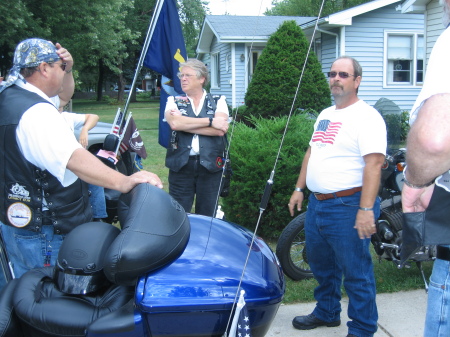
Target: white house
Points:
(387, 43)
(433, 15)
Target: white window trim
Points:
(415, 34)
(215, 83)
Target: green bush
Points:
(274, 83)
(405, 125)
(253, 153)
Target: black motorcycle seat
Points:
(46, 311)
(9, 323)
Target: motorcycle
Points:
(164, 273)
(387, 241)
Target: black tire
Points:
(291, 250)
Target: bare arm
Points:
(89, 122)
(90, 169)
(297, 197)
(428, 154)
(428, 143)
(199, 126)
(68, 81)
(365, 220)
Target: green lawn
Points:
(388, 277)
(145, 114)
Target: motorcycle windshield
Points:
(392, 116)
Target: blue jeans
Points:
(98, 201)
(193, 180)
(335, 250)
(27, 250)
(437, 321)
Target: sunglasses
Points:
(342, 74)
(62, 65)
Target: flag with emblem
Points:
(165, 52)
(241, 322)
(132, 140)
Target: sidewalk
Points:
(401, 314)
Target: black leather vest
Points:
(212, 148)
(24, 185)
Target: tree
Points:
(105, 37)
(310, 7)
(272, 89)
(192, 13)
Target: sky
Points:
(239, 7)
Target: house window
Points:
(255, 56)
(318, 48)
(215, 70)
(404, 59)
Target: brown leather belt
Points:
(344, 193)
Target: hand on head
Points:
(64, 55)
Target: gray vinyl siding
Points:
(241, 83)
(225, 77)
(364, 40)
(329, 43)
(434, 24)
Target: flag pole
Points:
(148, 38)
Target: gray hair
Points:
(357, 69)
(200, 69)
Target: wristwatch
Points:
(210, 121)
(298, 189)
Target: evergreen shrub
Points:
(253, 152)
(405, 125)
(272, 89)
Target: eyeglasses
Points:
(62, 65)
(342, 74)
(180, 75)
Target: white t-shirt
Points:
(340, 140)
(221, 107)
(45, 139)
(74, 120)
(438, 72)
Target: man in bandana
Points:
(42, 161)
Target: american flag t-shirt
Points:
(326, 131)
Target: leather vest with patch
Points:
(24, 185)
(212, 148)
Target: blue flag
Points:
(165, 52)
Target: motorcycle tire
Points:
(291, 250)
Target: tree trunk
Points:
(120, 84)
(101, 73)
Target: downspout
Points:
(233, 75)
(337, 39)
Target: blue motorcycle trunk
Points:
(194, 295)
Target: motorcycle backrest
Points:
(155, 231)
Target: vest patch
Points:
(220, 162)
(19, 193)
(19, 214)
